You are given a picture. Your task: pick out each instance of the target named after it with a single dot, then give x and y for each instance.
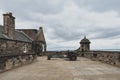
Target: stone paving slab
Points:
(62, 69)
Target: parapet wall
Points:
(110, 57)
(8, 62)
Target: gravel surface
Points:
(62, 69)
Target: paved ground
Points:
(60, 69)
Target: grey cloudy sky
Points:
(65, 22)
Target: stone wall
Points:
(8, 62)
(110, 57)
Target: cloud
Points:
(82, 21)
(66, 22)
(100, 44)
(28, 6)
(99, 5)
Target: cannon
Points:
(71, 55)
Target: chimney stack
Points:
(9, 25)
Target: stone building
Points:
(40, 41)
(26, 36)
(15, 46)
(37, 36)
(84, 45)
(10, 38)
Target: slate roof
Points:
(30, 32)
(19, 35)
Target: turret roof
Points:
(85, 40)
